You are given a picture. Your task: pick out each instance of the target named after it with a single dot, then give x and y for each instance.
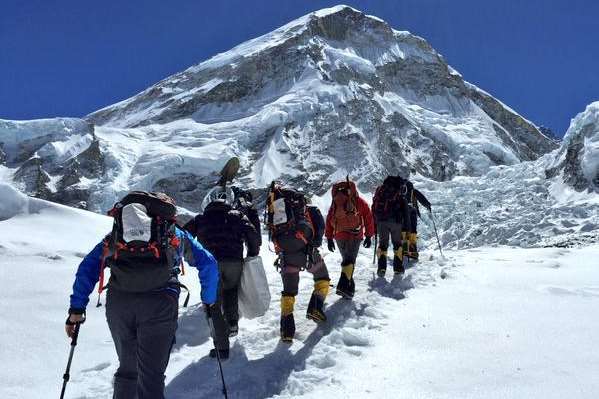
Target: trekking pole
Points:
(436, 233)
(66, 375)
(220, 366)
(376, 238)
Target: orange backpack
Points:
(345, 208)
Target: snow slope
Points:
(482, 323)
(40, 247)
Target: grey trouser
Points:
(230, 277)
(349, 251)
(386, 228)
(143, 327)
(290, 273)
(226, 309)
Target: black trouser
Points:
(143, 327)
(413, 219)
(386, 229)
(227, 308)
(349, 251)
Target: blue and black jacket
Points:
(88, 272)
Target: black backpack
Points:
(388, 198)
(286, 213)
(142, 247)
(318, 224)
(244, 203)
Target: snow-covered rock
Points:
(14, 203)
(47, 157)
(332, 93)
(55, 139)
(577, 161)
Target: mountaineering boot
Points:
(346, 286)
(223, 354)
(287, 321)
(398, 264)
(233, 329)
(287, 328)
(412, 246)
(382, 262)
(316, 305)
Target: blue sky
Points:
(69, 58)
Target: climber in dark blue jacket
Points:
(142, 324)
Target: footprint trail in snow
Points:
(261, 366)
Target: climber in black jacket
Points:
(223, 230)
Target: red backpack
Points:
(344, 206)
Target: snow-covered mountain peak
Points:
(269, 63)
(342, 23)
(333, 93)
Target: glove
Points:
(76, 316)
(331, 244)
(367, 242)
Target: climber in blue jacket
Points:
(142, 299)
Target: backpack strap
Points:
(105, 254)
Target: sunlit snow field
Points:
(481, 323)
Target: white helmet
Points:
(217, 194)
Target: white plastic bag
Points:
(254, 295)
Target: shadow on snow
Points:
(259, 378)
(193, 328)
(393, 289)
